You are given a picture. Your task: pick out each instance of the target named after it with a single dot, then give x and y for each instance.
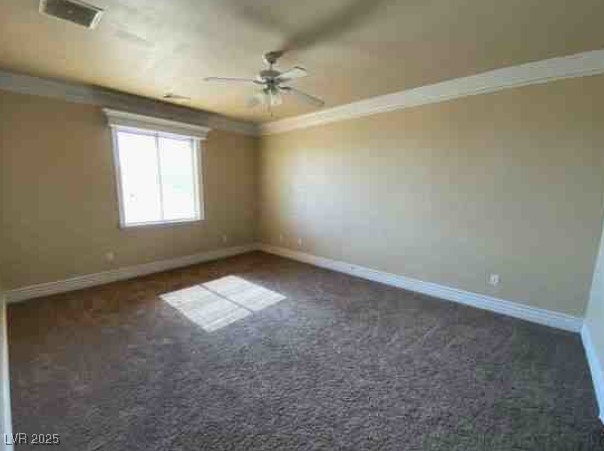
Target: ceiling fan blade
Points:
(328, 25)
(315, 101)
(230, 80)
(295, 72)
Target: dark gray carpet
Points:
(342, 364)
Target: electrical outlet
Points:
(225, 238)
(281, 238)
(109, 256)
(494, 280)
(299, 242)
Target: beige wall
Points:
(508, 183)
(58, 207)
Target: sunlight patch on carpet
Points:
(205, 308)
(247, 294)
(218, 303)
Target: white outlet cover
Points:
(494, 279)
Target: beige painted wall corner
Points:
(508, 183)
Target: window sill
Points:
(159, 224)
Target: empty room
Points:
(317, 225)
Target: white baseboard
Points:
(525, 312)
(128, 272)
(5, 406)
(595, 366)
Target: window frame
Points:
(158, 128)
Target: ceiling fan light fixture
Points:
(274, 97)
(271, 81)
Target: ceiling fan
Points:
(272, 84)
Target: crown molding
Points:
(215, 121)
(106, 98)
(544, 71)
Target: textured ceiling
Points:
(353, 49)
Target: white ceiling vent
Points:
(72, 10)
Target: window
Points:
(158, 174)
